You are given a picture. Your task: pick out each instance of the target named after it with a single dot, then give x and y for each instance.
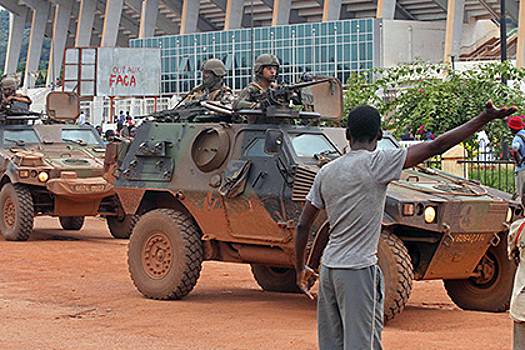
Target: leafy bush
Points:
(436, 96)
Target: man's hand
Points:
(303, 276)
(492, 113)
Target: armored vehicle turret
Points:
(51, 166)
(211, 189)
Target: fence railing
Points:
(488, 167)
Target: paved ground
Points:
(71, 290)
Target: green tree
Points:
(436, 96)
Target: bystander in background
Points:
(81, 119)
(516, 126)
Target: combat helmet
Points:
(215, 66)
(265, 60)
(9, 82)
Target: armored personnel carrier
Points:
(207, 188)
(50, 166)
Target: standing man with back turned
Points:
(352, 190)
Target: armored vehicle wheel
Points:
(17, 213)
(491, 289)
(165, 254)
(396, 265)
(275, 279)
(121, 228)
(71, 223)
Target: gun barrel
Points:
(309, 83)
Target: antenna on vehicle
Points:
(252, 38)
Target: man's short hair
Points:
(364, 124)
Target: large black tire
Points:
(16, 212)
(165, 254)
(72, 223)
(121, 228)
(275, 279)
(491, 291)
(398, 273)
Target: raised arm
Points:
(416, 154)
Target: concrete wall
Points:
(406, 41)
(476, 33)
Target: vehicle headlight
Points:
(430, 215)
(508, 218)
(43, 176)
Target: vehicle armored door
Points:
(254, 208)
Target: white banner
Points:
(128, 72)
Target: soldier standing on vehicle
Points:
(352, 190)
(266, 70)
(212, 87)
(8, 86)
(516, 126)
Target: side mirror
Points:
(63, 106)
(273, 141)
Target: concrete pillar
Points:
(111, 23)
(189, 16)
(36, 39)
(234, 13)
(14, 44)
(386, 9)
(281, 12)
(451, 161)
(454, 29)
(58, 44)
(86, 19)
(148, 18)
(331, 10)
(520, 49)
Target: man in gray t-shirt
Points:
(352, 190)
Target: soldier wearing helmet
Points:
(266, 69)
(9, 96)
(212, 87)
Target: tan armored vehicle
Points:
(51, 166)
(211, 189)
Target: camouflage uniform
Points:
(212, 88)
(252, 95)
(223, 94)
(8, 95)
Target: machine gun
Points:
(195, 110)
(18, 113)
(282, 95)
(323, 100)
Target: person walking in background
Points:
(352, 190)
(517, 151)
(120, 121)
(82, 118)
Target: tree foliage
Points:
(437, 96)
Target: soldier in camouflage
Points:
(8, 87)
(266, 69)
(212, 87)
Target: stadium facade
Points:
(331, 49)
(324, 37)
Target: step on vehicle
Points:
(208, 187)
(51, 166)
